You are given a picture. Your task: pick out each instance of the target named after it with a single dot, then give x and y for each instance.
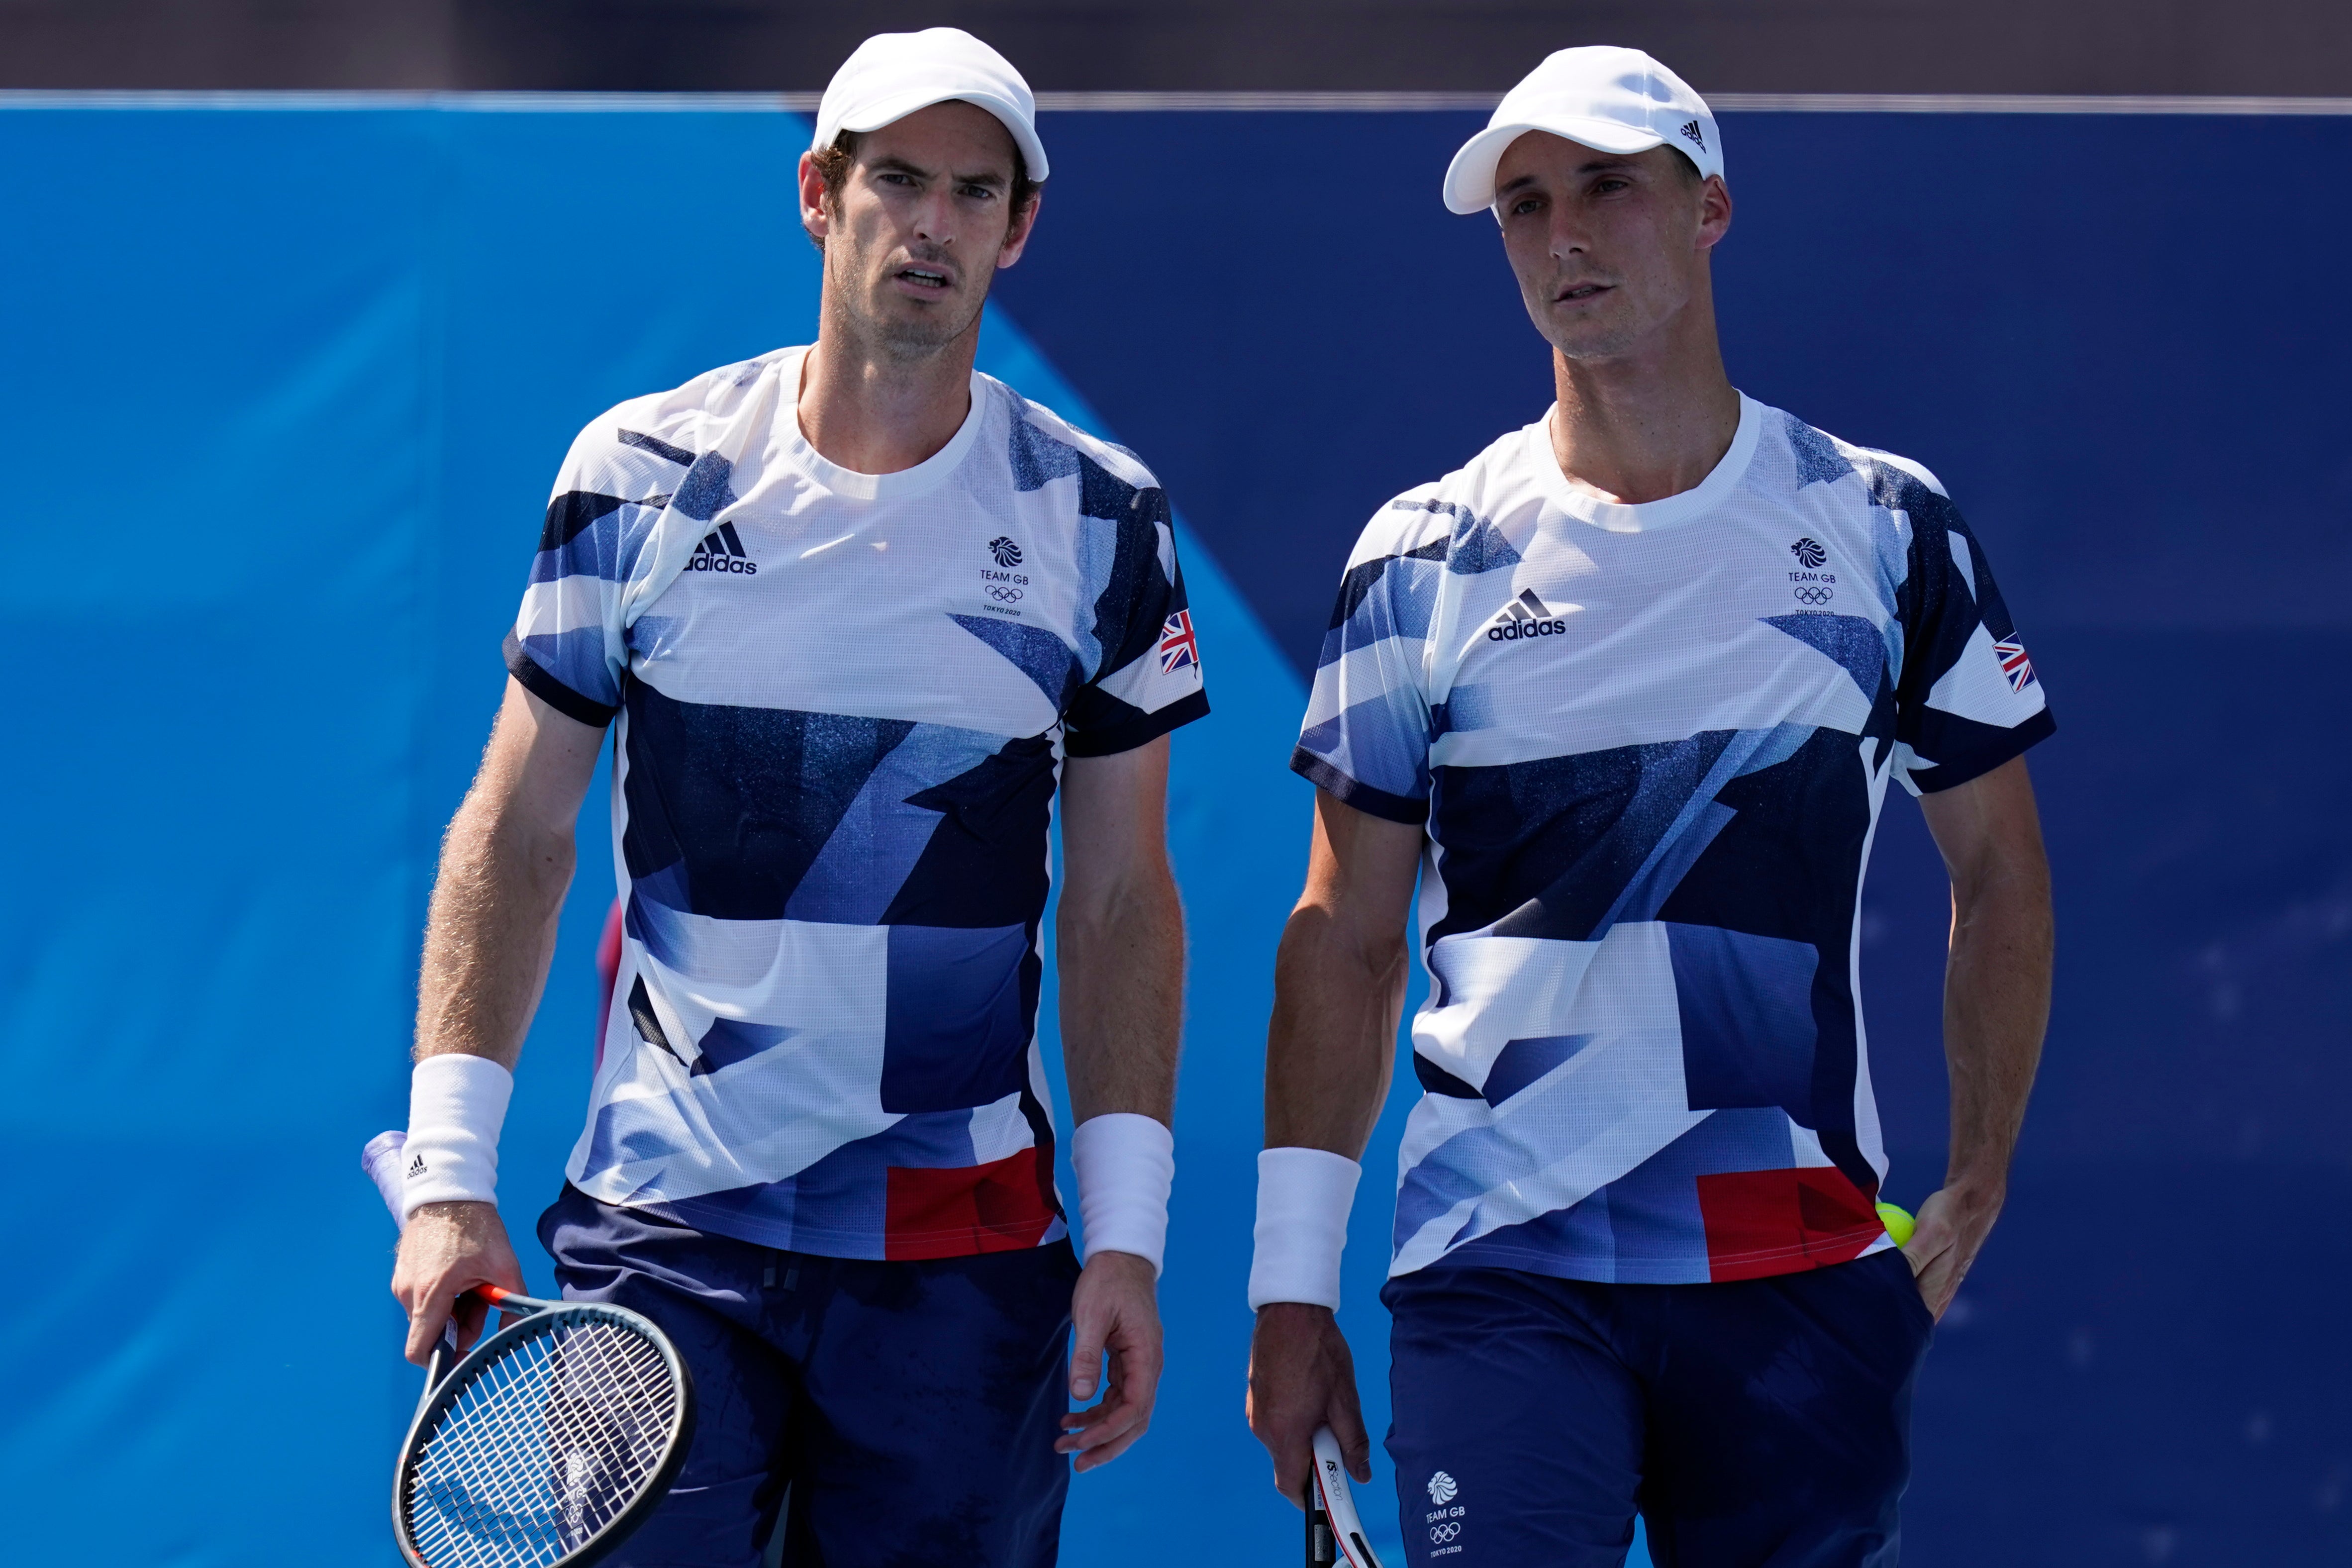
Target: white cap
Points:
(1617, 100)
(892, 75)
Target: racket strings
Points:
(542, 1448)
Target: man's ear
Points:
(1017, 238)
(1714, 211)
(813, 215)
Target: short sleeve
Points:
(1969, 698)
(568, 647)
(1148, 681)
(1367, 735)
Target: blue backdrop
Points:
(285, 387)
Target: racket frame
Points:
(442, 1388)
(1332, 1508)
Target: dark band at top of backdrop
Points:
(2257, 48)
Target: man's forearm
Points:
(1332, 1040)
(490, 933)
(1122, 982)
(1995, 1007)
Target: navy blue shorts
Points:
(1749, 1422)
(911, 1406)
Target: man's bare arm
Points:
(1995, 1007)
(1119, 939)
(1338, 991)
(1119, 934)
(1338, 983)
(506, 864)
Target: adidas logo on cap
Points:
(722, 550)
(1525, 616)
(1691, 130)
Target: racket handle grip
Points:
(444, 1349)
(444, 1357)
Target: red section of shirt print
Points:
(608, 970)
(1001, 1207)
(1761, 1223)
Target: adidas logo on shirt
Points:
(415, 1167)
(722, 550)
(1525, 616)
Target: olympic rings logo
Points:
(1812, 595)
(1003, 594)
(1442, 1533)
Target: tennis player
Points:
(817, 1150)
(1625, 691)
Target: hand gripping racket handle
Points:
(1335, 1536)
(381, 1161)
(444, 1349)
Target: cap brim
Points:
(890, 110)
(1470, 178)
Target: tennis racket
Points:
(1335, 1537)
(546, 1444)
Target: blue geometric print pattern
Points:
(1474, 545)
(1855, 643)
(1745, 1004)
(1034, 652)
(1522, 1062)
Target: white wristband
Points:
(1125, 1165)
(1303, 1198)
(456, 1103)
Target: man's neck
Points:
(874, 411)
(1645, 426)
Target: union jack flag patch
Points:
(2014, 664)
(1177, 645)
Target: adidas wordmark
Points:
(1525, 616)
(722, 550)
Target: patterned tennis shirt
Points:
(840, 732)
(1649, 744)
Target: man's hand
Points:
(446, 1250)
(1115, 1309)
(1301, 1377)
(1953, 1223)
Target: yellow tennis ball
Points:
(1900, 1225)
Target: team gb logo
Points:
(1442, 1490)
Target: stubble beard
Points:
(1590, 348)
(1588, 338)
(888, 327)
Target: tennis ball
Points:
(1900, 1225)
